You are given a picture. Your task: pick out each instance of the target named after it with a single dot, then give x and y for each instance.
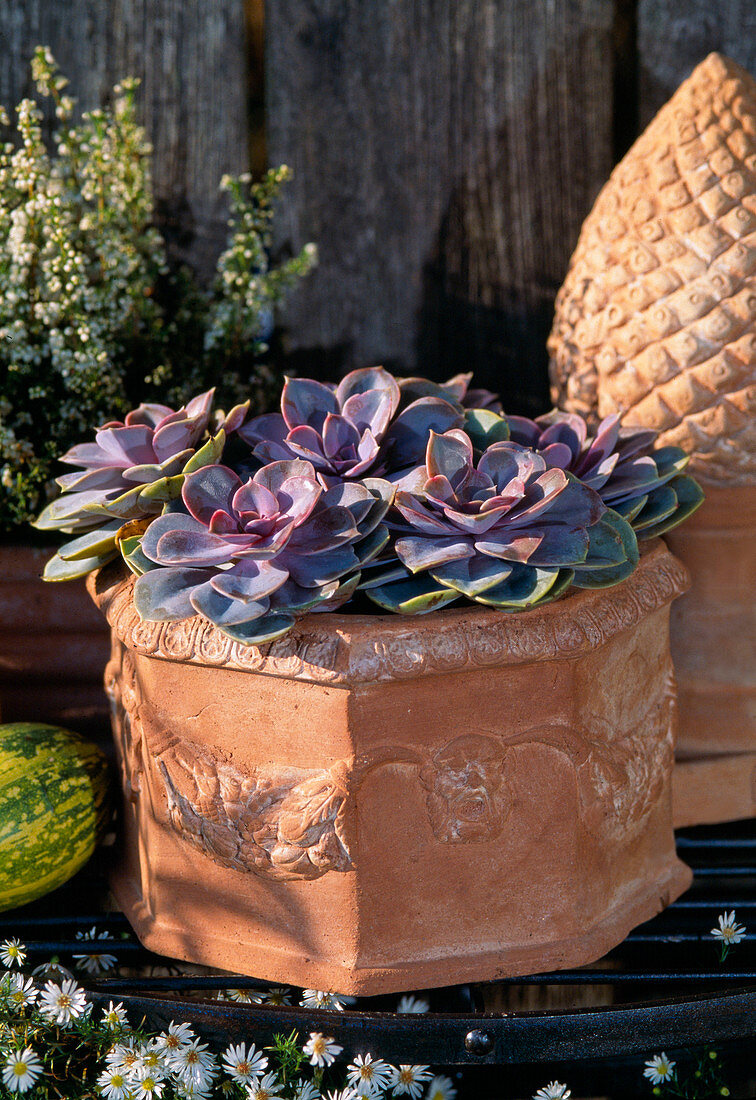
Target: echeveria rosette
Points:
(455, 390)
(506, 531)
(646, 486)
(352, 430)
(252, 556)
(130, 471)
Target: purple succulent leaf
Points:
(313, 570)
(275, 474)
(367, 451)
(634, 440)
(187, 538)
(250, 580)
(169, 439)
(483, 399)
(307, 444)
(575, 505)
(298, 497)
(351, 495)
(306, 402)
(418, 516)
(559, 546)
(104, 478)
(234, 418)
(221, 523)
(199, 407)
(327, 529)
(261, 544)
(509, 545)
(222, 610)
(253, 497)
(151, 415)
(338, 435)
(269, 428)
(260, 631)
(366, 379)
(208, 489)
(472, 576)
(523, 430)
(557, 456)
(91, 456)
(571, 433)
(450, 456)
(419, 554)
(164, 595)
(439, 490)
(265, 453)
(503, 462)
(372, 409)
(126, 446)
(293, 598)
(477, 523)
(407, 438)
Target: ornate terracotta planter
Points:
(374, 803)
(53, 647)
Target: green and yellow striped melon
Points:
(53, 806)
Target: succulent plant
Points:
(646, 486)
(506, 531)
(130, 471)
(252, 556)
(455, 390)
(354, 429)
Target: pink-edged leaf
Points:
(418, 554)
(326, 529)
(338, 435)
(418, 516)
(306, 402)
(209, 489)
(275, 474)
(253, 497)
(366, 379)
(108, 477)
(372, 409)
(224, 611)
(249, 580)
(91, 456)
(162, 595)
(151, 415)
(449, 455)
(269, 428)
(298, 496)
(129, 446)
(169, 439)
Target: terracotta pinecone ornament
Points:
(657, 316)
(656, 320)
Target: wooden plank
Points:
(445, 153)
(190, 57)
(674, 37)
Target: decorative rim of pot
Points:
(346, 650)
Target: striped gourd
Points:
(53, 806)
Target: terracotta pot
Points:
(710, 789)
(373, 803)
(53, 648)
(713, 626)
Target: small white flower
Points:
(150, 1057)
(263, 1089)
(21, 1070)
(441, 1088)
(321, 1049)
(343, 1094)
(307, 1090)
(193, 1063)
(367, 1076)
(12, 953)
(176, 1037)
(409, 1080)
(19, 992)
(61, 1004)
(241, 995)
(728, 932)
(146, 1084)
(318, 998)
(553, 1091)
(123, 1057)
(114, 1016)
(277, 995)
(243, 1065)
(408, 1004)
(659, 1068)
(186, 1091)
(113, 1085)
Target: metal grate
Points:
(663, 988)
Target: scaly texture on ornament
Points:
(656, 319)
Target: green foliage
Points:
(92, 318)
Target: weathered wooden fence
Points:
(445, 151)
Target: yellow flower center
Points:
(116, 1080)
(318, 1046)
(242, 1067)
(65, 1001)
(148, 1084)
(366, 1072)
(19, 1068)
(172, 1041)
(406, 1076)
(192, 1057)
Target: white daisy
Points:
(19, 992)
(186, 1091)
(98, 962)
(240, 995)
(343, 1094)
(176, 1037)
(193, 1064)
(659, 1068)
(150, 1057)
(52, 972)
(61, 1004)
(318, 998)
(277, 995)
(21, 1070)
(123, 1055)
(409, 1080)
(12, 953)
(321, 1049)
(367, 1076)
(408, 1003)
(146, 1084)
(441, 1088)
(114, 1016)
(728, 932)
(264, 1088)
(113, 1085)
(553, 1091)
(243, 1065)
(307, 1090)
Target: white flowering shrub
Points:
(91, 316)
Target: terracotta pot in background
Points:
(373, 803)
(53, 648)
